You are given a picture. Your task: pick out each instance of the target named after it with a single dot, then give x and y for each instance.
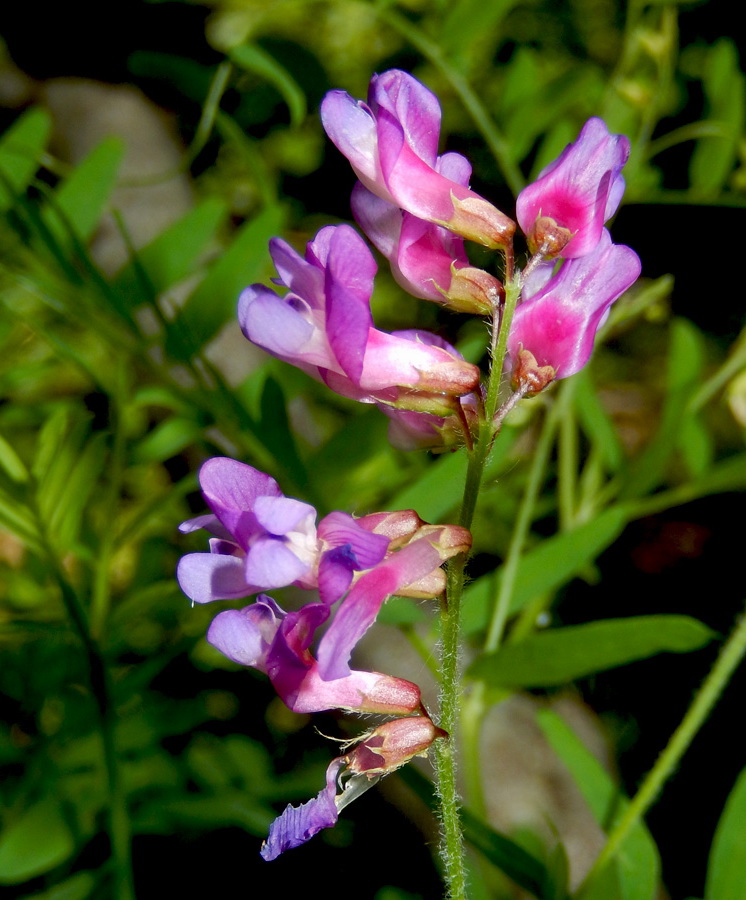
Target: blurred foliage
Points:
(114, 389)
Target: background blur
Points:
(148, 151)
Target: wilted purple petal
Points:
(298, 824)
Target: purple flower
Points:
(392, 145)
(277, 643)
(378, 753)
(324, 326)
(264, 540)
(266, 638)
(563, 212)
(428, 261)
(557, 322)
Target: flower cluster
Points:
(416, 208)
(263, 540)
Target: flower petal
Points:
(230, 489)
(339, 528)
(245, 635)
(270, 563)
(298, 824)
(360, 608)
(205, 577)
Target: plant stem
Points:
(452, 846)
(730, 657)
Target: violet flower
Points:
(277, 643)
(428, 261)
(392, 144)
(324, 326)
(563, 212)
(264, 637)
(557, 323)
(264, 540)
(378, 753)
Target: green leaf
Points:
(20, 149)
(173, 255)
(79, 887)
(167, 439)
(79, 202)
(728, 475)
(439, 491)
(436, 492)
(508, 856)
(561, 655)
(67, 465)
(11, 462)
(596, 423)
(545, 568)
(637, 865)
(275, 431)
(255, 59)
(714, 157)
(34, 843)
(696, 445)
(16, 518)
(726, 870)
(214, 301)
(467, 23)
(683, 376)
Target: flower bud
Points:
(478, 220)
(472, 290)
(393, 744)
(528, 376)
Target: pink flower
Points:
(392, 145)
(563, 212)
(557, 322)
(324, 326)
(265, 637)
